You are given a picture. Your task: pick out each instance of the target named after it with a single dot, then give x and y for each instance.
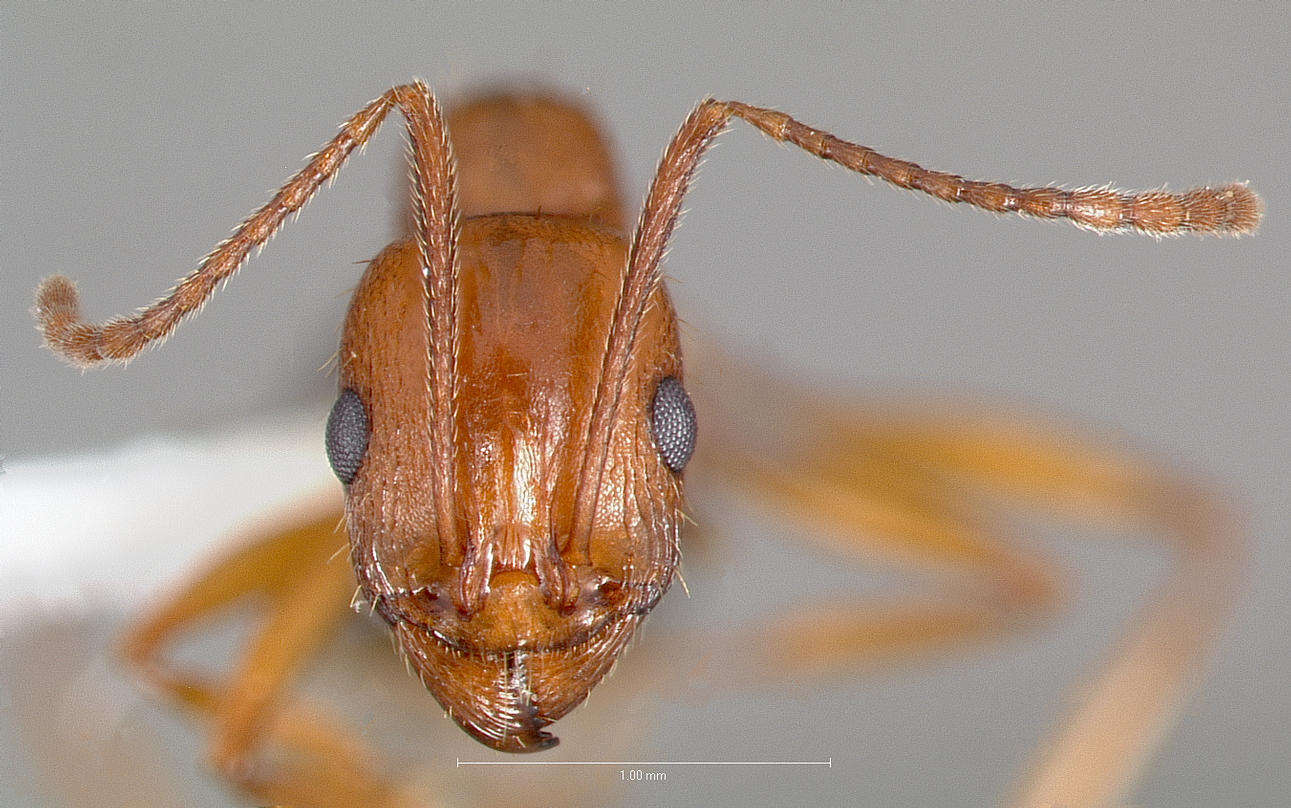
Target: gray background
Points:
(134, 139)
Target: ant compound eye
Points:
(673, 423)
(347, 435)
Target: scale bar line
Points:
(828, 762)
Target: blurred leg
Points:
(300, 570)
(879, 481)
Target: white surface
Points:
(104, 530)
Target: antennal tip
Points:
(58, 318)
(56, 300)
(1244, 209)
(57, 308)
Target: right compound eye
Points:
(347, 436)
(672, 420)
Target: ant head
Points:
(515, 612)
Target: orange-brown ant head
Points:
(517, 611)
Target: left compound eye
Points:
(347, 436)
(672, 422)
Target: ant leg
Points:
(266, 562)
(900, 514)
(1128, 705)
(902, 485)
(324, 765)
(771, 440)
(308, 584)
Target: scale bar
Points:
(828, 762)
